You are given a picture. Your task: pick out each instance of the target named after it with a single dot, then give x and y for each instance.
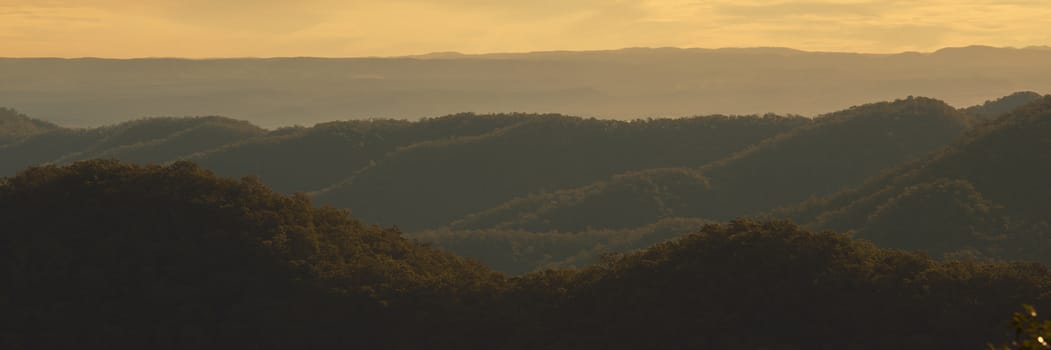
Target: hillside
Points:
(93, 260)
(989, 190)
(101, 254)
(995, 108)
(430, 184)
(153, 140)
(747, 285)
(837, 150)
(517, 252)
(15, 126)
(292, 159)
(185, 137)
(310, 159)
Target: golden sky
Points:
(341, 28)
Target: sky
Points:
(352, 28)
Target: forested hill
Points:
(310, 159)
(527, 191)
(144, 141)
(15, 126)
(836, 150)
(431, 184)
(994, 108)
(987, 194)
(102, 254)
(303, 159)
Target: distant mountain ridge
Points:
(749, 50)
(617, 84)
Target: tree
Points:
(1031, 333)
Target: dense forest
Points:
(103, 254)
(898, 224)
(541, 181)
(781, 170)
(986, 194)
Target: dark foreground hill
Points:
(989, 193)
(107, 255)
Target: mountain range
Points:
(617, 84)
(505, 188)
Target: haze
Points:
(620, 84)
(329, 28)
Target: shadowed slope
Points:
(310, 159)
(995, 108)
(431, 184)
(154, 140)
(836, 150)
(15, 126)
(996, 176)
(103, 254)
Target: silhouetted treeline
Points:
(102, 254)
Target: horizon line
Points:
(459, 54)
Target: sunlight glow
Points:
(200, 28)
